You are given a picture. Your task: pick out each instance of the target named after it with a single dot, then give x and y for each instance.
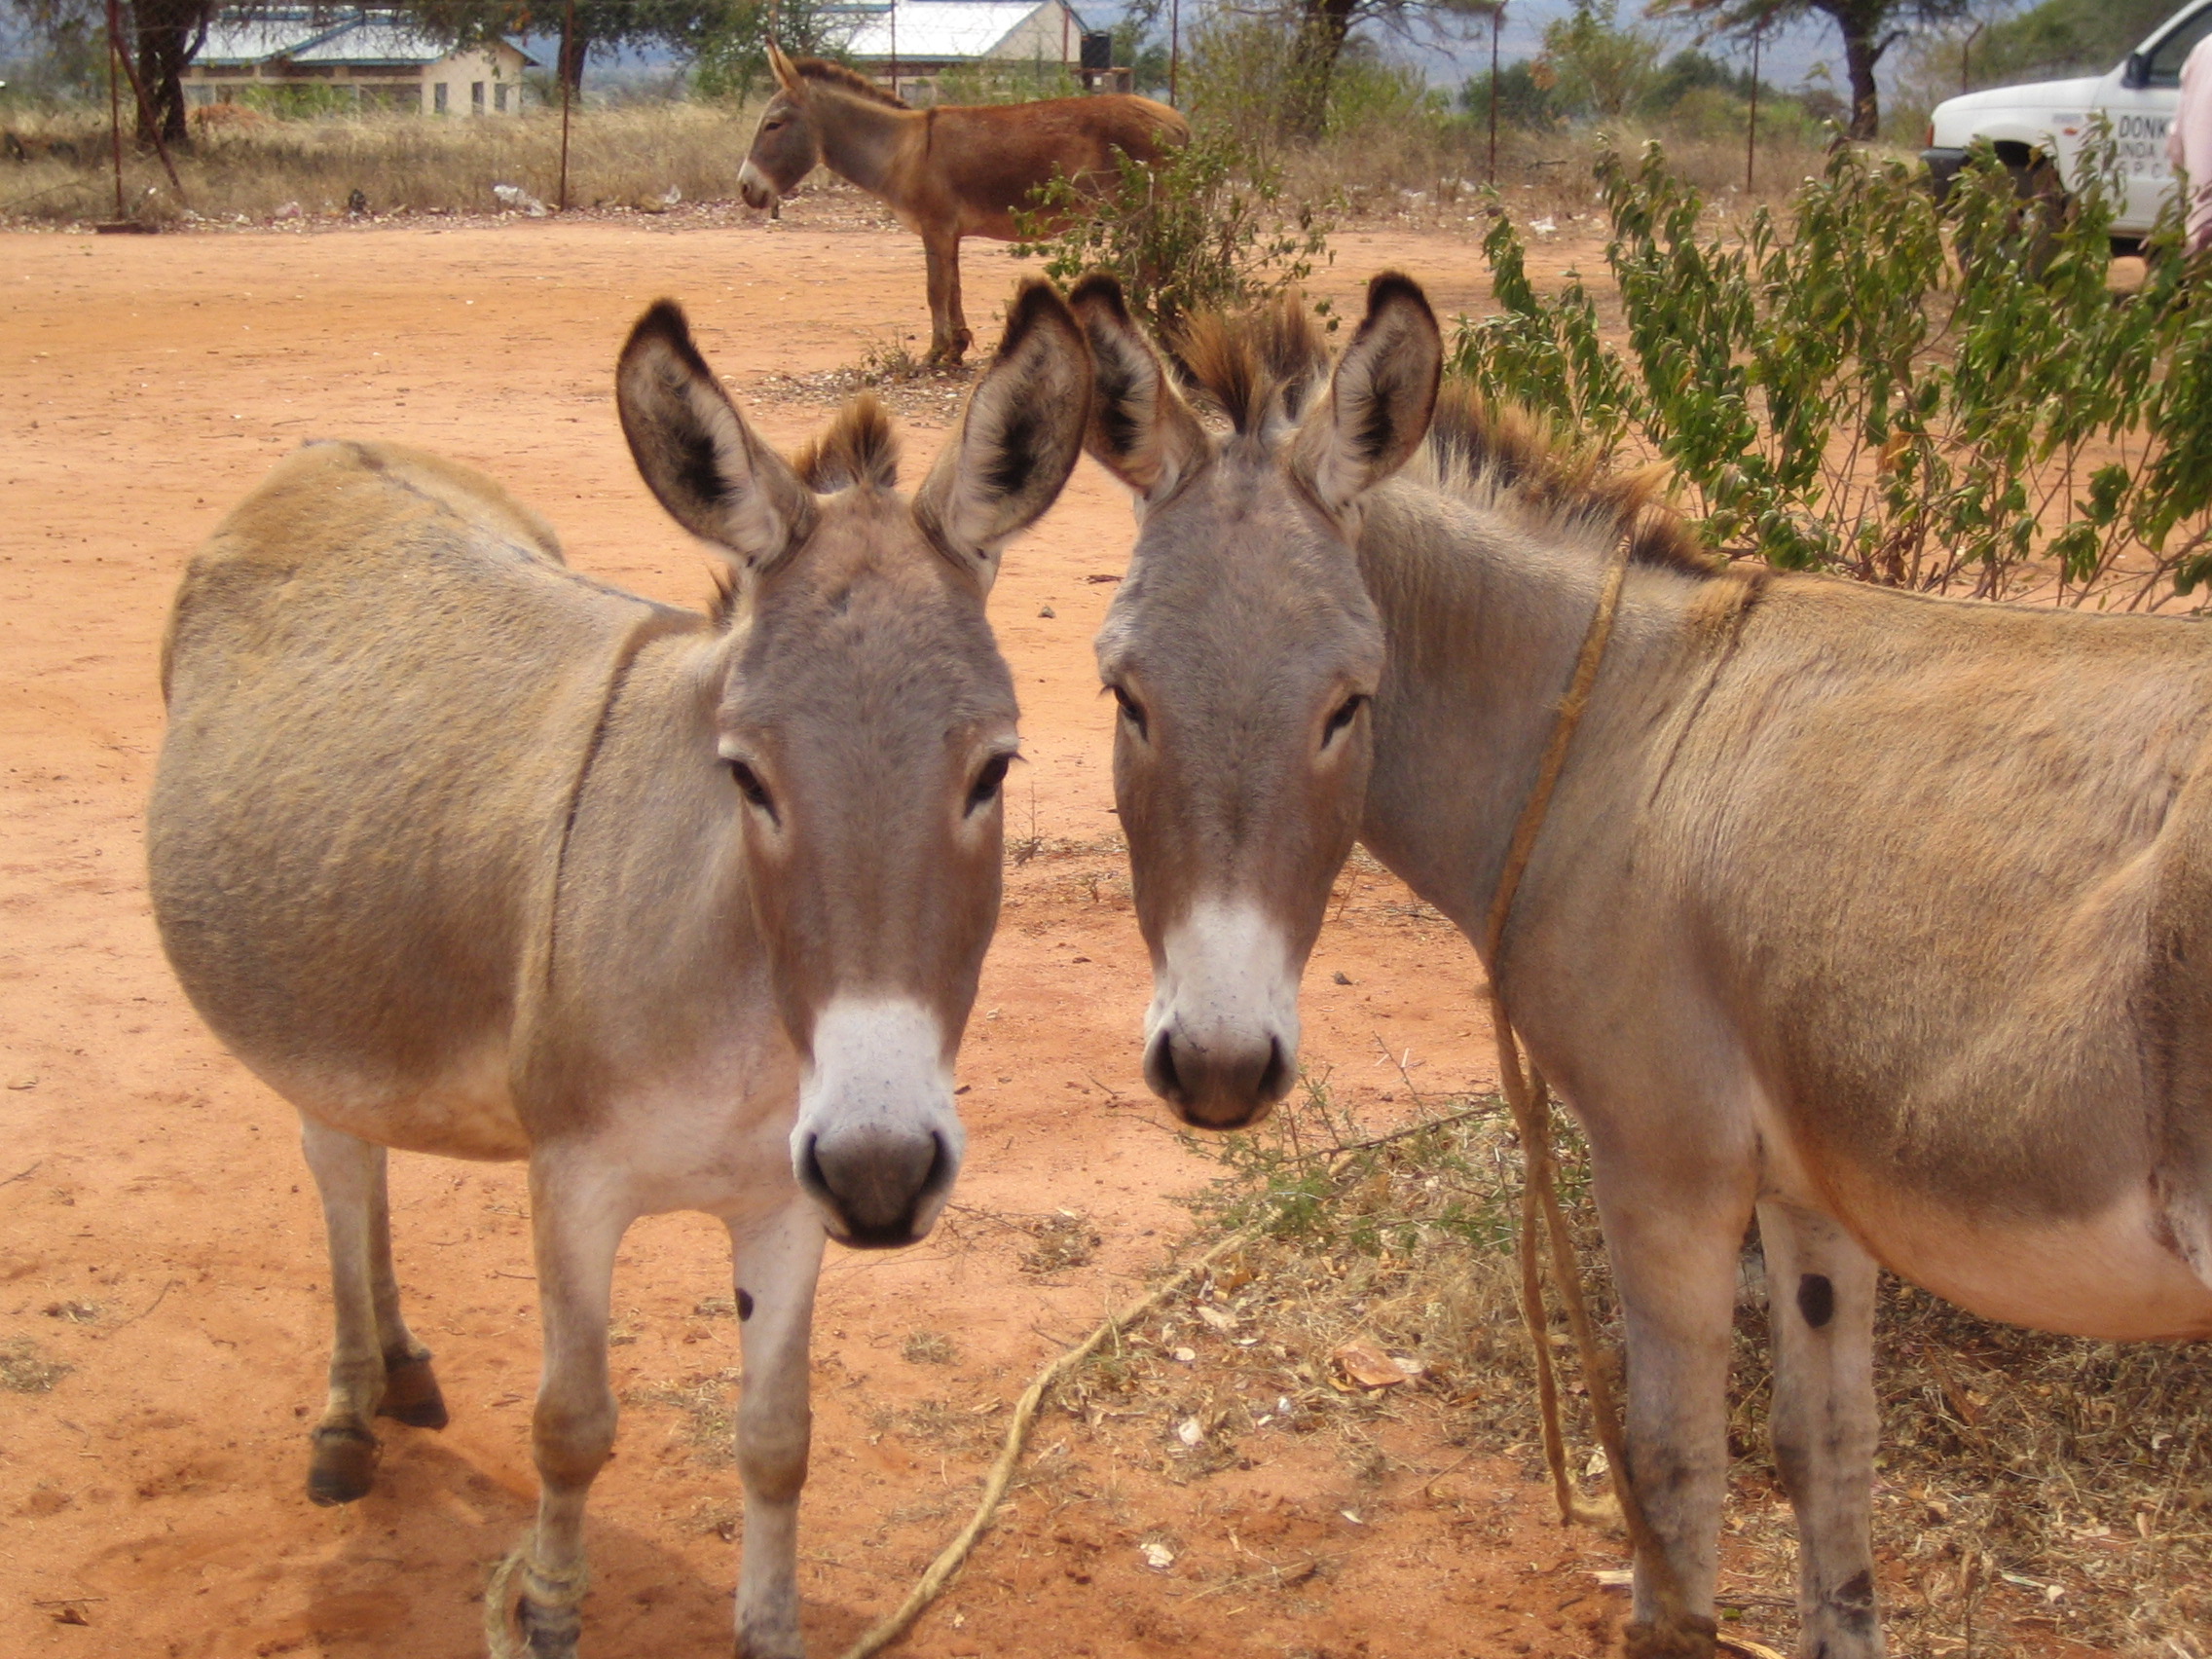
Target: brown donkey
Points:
(962, 170)
(464, 853)
(1885, 919)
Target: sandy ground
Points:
(157, 1235)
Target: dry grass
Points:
(706, 1404)
(1440, 176)
(2027, 1485)
(651, 157)
(24, 1371)
(646, 158)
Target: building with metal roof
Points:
(904, 43)
(369, 57)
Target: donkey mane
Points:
(848, 79)
(1498, 453)
(860, 449)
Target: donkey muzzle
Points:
(1216, 1082)
(880, 1186)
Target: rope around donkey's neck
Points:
(1529, 1097)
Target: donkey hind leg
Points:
(949, 338)
(376, 1367)
(1676, 1269)
(411, 1392)
(777, 1263)
(576, 1225)
(1821, 1300)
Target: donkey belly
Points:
(2116, 1274)
(466, 1111)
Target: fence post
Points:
(115, 104)
(1752, 129)
(1497, 24)
(1174, 49)
(567, 29)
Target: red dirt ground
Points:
(157, 1233)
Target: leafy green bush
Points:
(1946, 399)
(1204, 229)
(1525, 99)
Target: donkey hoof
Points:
(547, 1632)
(1687, 1637)
(769, 1638)
(411, 1393)
(342, 1465)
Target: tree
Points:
(1317, 30)
(160, 36)
(1869, 28)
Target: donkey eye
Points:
(1346, 714)
(1131, 709)
(750, 785)
(987, 782)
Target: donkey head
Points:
(1244, 650)
(785, 146)
(866, 722)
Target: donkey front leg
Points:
(777, 1260)
(1674, 1263)
(1820, 1301)
(949, 338)
(576, 1222)
(377, 1368)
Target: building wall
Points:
(486, 82)
(1041, 37)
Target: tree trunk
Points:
(169, 34)
(1323, 28)
(569, 66)
(1862, 50)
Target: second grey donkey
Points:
(1886, 918)
(464, 853)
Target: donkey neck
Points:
(1484, 620)
(860, 138)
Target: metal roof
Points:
(302, 37)
(937, 30)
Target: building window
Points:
(438, 98)
(476, 97)
(500, 97)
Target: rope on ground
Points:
(950, 1558)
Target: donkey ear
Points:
(1379, 399)
(1018, 438)
(783, 68)
(716, 478)
(1141, 430)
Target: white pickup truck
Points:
(2038, 130)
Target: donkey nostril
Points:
(1165, 1081)
(1274, 1080)
(810, 1173)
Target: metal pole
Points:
(1174, 49)
(567, 29)
(895, 50)
(115, 103)
(1751, 132)
(1497, 24)
(1966, 56)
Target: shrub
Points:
(1525, 99)
(1204, 229)
(1947, 400)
